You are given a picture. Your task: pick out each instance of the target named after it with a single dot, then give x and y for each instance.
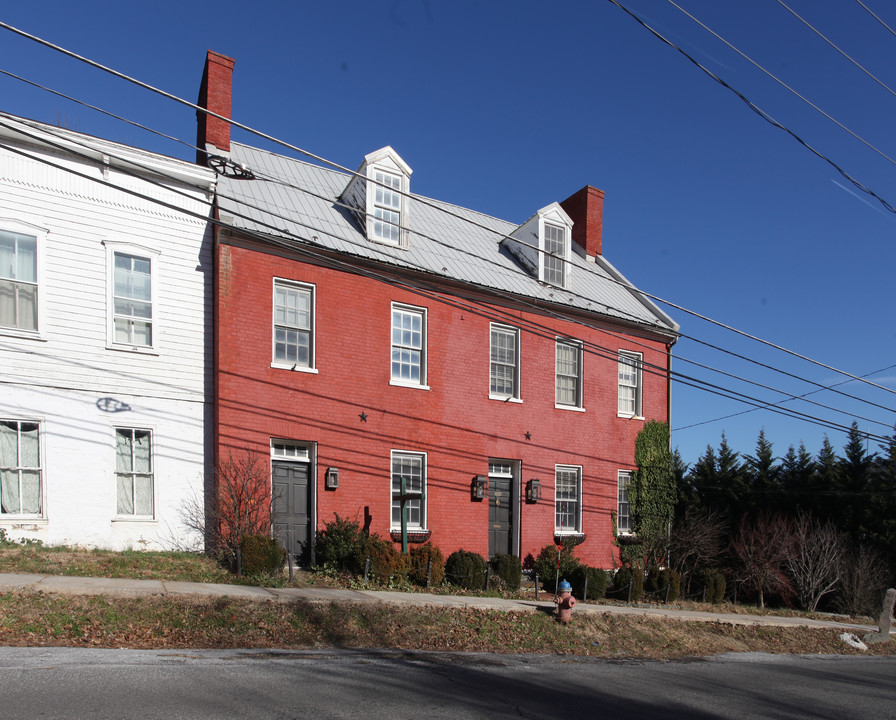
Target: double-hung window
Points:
(387, 207)
(20, 473)
(408, 345)
(133, 472)
(504, 368)
(623, 512)
(554, 256)
(567, 499)
(409, 477)
(132, 296)
(568, 374)
(629, 384)
(18, 281)
(293, 325)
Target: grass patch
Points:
(186, 622)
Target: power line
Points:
(870, 12)
(759, 111)
(468, 220)
(833, 45)
(593, 347)
(783, 84)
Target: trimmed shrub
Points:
(621, 580)
(387, 564)
(508, 569)
(546, 565)
(339, 546)
(712, 582)
(420, 555)
(664, 585)
(261, 554)
(597, 582)
(466, 569)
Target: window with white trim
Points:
(567, 499)
(556, 249)
(504, 366)
(387, 207)
(623, 511)
(20, 471)
(630, 383)
(131, 298)
(18, 280)
(568, 374)
(408, 345)
(411, 468)
(133, 472)
(293, 324)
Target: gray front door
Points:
(500, 515)
(292, 522)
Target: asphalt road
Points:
(197, 684)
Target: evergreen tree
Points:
(703, 481)
(882, 504)
(825, 503)
(732, 480)
(796, 478)
(854, 480)
(761, 475)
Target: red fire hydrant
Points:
(565, 602)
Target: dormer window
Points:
(378, 193)
(543, 245)
(387, 207)
(553, 258)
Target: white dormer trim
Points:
(543, 244)
(379, 196)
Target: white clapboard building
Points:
(106, 378)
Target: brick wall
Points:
(454, 422)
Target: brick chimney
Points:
(213, 134)
(586, 208)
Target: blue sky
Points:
(506, 106)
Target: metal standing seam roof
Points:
(295, 200)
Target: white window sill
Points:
(505, 398)
(629, 417)
(34, 520)
(569, 407)
(135, 519)
(23, 334)
(567, 533)
(399, 383)
(139, 350)
(294, 368)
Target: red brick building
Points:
(365, 334)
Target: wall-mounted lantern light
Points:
(332, 478)
(533, 491)
(479, 487)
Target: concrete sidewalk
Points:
(120, 587)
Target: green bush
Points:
(387, 564)
(420, 555)
(339, 546)
(710, 586)
(597, 582)
(621, 580)
(466, 569)
(664, 585)
(546, 565)
(261, 554)
(508, 569)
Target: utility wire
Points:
(759, 111)
(833, 45)
(870, 12)
(783, 84)
(478, 257)
(438, 295)
(445, 210)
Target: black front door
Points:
(292, 522)
(500, 515)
